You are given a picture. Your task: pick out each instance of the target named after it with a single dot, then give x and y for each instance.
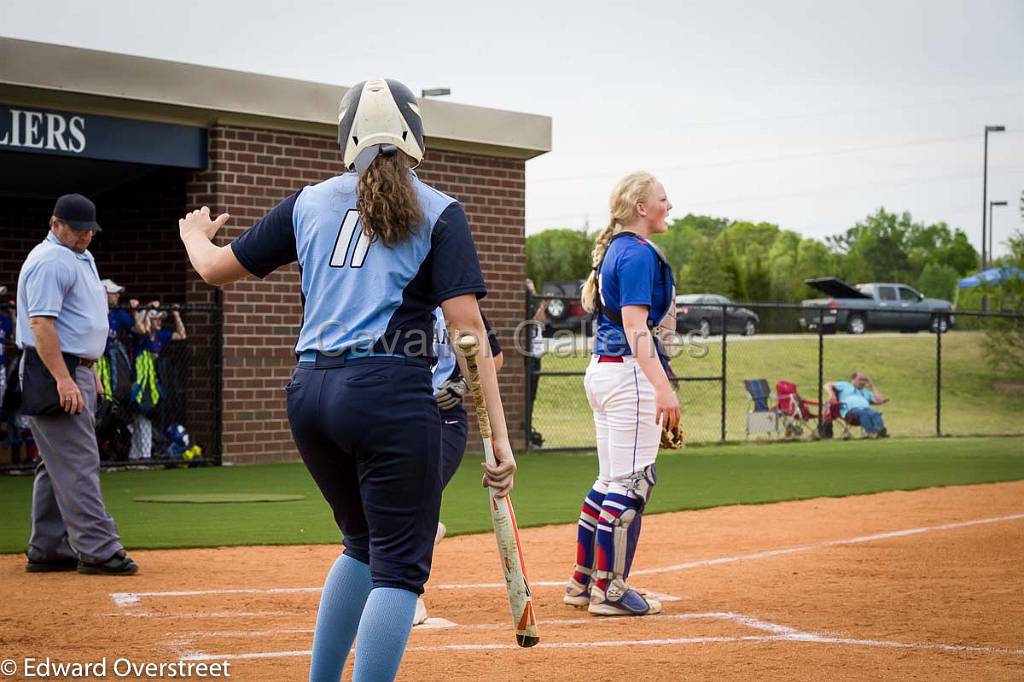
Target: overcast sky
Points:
(801, 113)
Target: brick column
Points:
(250, 172)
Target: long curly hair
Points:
(386, 199)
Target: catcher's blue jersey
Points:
(632, 274)
(360, 295)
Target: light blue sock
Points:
(383, 633)
(341, 605)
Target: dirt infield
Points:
(926, 584)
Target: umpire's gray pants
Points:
(66, 500)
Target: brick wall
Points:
(250, 171)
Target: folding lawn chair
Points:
(761, 418)
(794, 412)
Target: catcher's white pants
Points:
(627, 436)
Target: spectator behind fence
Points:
(17, 437)
(62, 329)
(855, 398)
(153, 389)
(114, 368)
(122, 323)
(536, 351)
(6, 332)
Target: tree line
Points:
(762, 262)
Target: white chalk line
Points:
(125, 599)
(828, 543)
(201, 614)
(777, 633)
(444, 623)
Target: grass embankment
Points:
(902, 365)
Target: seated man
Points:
(856, 397)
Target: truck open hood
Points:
(834, 287)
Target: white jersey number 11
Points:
(348, 233)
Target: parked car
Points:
(566, 312)
(704, 313)
(877, 305)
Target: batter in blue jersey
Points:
(378, 250)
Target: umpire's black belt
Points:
(316, 359)
(70, 360)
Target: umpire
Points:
(62, 329)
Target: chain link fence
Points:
(163, 388)
(936, 384)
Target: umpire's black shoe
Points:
(119, 564)
(883, 433)
(53, 566)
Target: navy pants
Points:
(369, 432)
(453, 441)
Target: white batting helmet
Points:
(378, 117)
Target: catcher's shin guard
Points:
(632, 538)
(619, 531)
(627, 532)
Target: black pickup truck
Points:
(878, 305)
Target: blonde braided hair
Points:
(628, 192)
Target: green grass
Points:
(548, 490)
(902, 365)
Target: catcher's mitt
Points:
(674, 439)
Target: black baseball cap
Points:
(77, 211)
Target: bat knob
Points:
(468, 344)
(526, 641)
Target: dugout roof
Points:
(43, 75)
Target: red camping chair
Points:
(795, 412)
(833, 414)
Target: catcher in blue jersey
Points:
(378, 251)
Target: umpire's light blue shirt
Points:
(58, 282)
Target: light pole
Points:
(992, 228)
(984, 189)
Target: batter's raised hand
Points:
(500, 477)
(199, 222)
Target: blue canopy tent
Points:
(992, 276)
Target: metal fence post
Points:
(218, 375)
(821, 366)
(938, 378)
(528, 373)
(725, 348)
